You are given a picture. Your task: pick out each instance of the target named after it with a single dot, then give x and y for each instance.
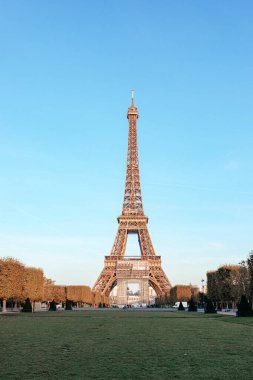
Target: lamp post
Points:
(202, 291)
(127, 293)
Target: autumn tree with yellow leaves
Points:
(96, 298)
(54, 292)
(79, 293)
(11, 279)
(33, 283)
(180, 293)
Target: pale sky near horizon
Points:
(66, 74)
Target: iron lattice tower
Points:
(132, 220)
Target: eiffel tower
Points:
(132, 220)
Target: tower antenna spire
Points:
(132, 95)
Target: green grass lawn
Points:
(117, 344)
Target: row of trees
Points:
(19, 282)
(179, 293)
(80, 294)
(183, 293)
(227, 284)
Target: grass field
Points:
(117, 344)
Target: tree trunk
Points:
(4, 306)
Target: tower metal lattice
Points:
(132, 220)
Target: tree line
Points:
(225, 288)
(19, 282)
(227, 284)
(179, 293)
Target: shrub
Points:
(68, 305)
(181, 306)
(209, 307)
(192, 306)
(52, 306)
(244, 308)
(27, 308)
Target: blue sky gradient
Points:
(66, 71)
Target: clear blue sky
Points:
(66, 71)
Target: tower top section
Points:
(132, 110)
(132, 203)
